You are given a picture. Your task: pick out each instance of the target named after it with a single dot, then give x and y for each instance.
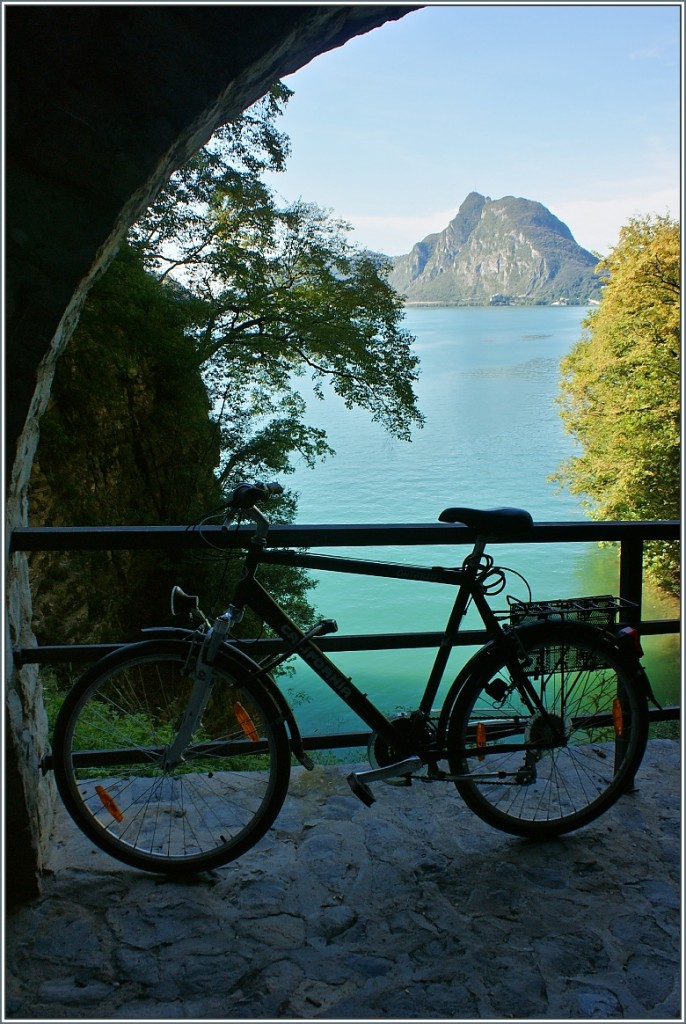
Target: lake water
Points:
(492, 437)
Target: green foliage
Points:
(284, 295)
(129, 440)
(182, 379)
(52, 693)
(128, 437)
(620, 389)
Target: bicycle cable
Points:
(492, 578)
(235, 518)
(506, 569)
(225, 517)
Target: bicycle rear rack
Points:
(600, 612)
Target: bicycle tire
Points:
(544, 774)
(110, 739)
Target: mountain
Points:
(498, 252)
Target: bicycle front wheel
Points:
(195, 810)
(545, 757)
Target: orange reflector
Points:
(245, 721)
(481, 738)
(109, 803)
(617, 718)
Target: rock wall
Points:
(102, 104)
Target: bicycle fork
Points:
(203, 678)
(200, 695)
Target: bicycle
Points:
(173, 754)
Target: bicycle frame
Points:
(191, 707)
(250, 593)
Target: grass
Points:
(113, 729)
(665, 730)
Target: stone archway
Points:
(102, 103)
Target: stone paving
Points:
(411, 909)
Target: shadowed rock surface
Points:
(410, 909)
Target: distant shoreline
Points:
(499, 305)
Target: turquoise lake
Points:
(493, 437)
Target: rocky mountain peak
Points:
(502, 251)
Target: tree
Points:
(620, 389)
(128, 436)
(128, 439)
(284, 293)
(181, 379)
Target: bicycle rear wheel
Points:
(540, 772)
(110, 748)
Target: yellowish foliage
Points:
(620, 388)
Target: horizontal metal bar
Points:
(138, 755)
(337, 741)
(221, 748)
(656, 627)
(54, 654)
(668, 714)
(137, 538)
(62, 654)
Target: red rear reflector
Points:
(632, 636)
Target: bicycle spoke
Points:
(114, 777)
(566, 766)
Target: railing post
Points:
(630, 589)
(631, 577)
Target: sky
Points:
(574, 106)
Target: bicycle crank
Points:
(359, 781)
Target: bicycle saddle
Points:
(491, 524)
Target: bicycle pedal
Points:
(358, 781)
(361, 790)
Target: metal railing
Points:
(631, 537)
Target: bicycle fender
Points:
(476, 664)
(229, 652)
(167, 633)
(495, 650)
(629, 646)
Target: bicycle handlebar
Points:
(247, 495)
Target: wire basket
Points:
(600, 612)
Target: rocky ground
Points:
(411, 909)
